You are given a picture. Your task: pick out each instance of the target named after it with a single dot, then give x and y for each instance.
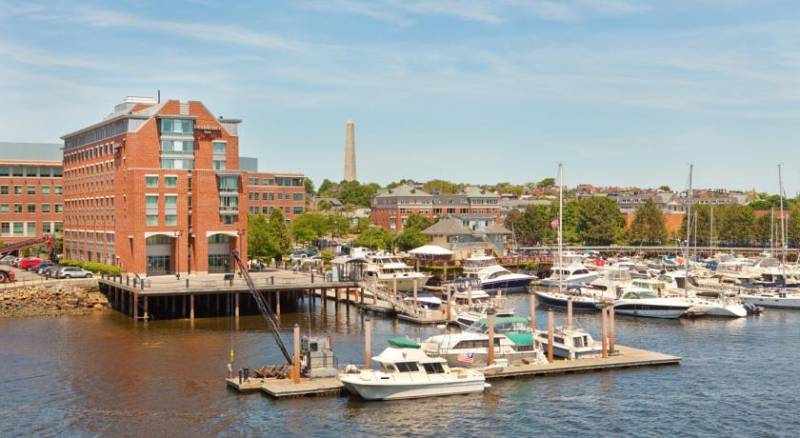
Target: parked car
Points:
(41, 267)
(50, 271)
(16, 261)
(6, 275)
(73, 272)
(6, 260)
(29, 262)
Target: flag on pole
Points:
(466, 358)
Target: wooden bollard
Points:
(296, 365)
(490, 315)
(569, 313)
(550, 335)
(612, 330)
(603, 333)
(236, 305)
(191, 307)
(367, 343)
(415, 294)
(532, 319)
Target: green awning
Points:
(520, 338)
(403, 343)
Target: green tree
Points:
(354, 193)
(362, 224)
(665, 188)
(417, 221)
(309, 227)
(648, 226)
(533, 226)
(338, 226)
(442, 186)
(326, 188)
(260, 244)
(546, 183)
(599, 221)
(736, 224)
(412, 236)
(309, 186)
(279, 233)
(375, 238)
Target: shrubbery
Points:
(99, 268)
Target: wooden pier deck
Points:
(284, 388)
(250, 384)
(624, 357)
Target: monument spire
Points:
(349, 151)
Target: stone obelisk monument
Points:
(349, 151)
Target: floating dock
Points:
(623, 357)
(285, 388)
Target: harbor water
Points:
(105, 375)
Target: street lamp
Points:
(177, 257)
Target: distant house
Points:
(468, 234)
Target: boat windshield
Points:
(639, 294)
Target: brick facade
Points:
(31, 199)
(155, 189)
(267, 191)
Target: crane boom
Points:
(263, 307)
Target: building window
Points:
(151, 181)
(177, 146)
(31, 190)
(16, 171)
(45, 190)
(218, 147)
(17, 190)
(229, 219)
(17, 208)
(252, 181)
(3, 208)
(59, 208)
(19, 228)
(169, 163)
(47, 228)
(5, 228)
(3, 190)
(297, 196)
(152, 220)
(219, 165)
(229, 203)
(31, 208)
(298, 210)
(30, 228)
(171, 181)
(229, 183)
(45, 208)
(177, 126)
(170, 219)
(58, 190)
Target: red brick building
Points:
(391, 208)
(285, 191)
(31, 200)
(155, 188)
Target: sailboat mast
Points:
(688, 231)
(772, 231)
(783, 220)
(560, 228)
(711, 233)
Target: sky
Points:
(623, 92)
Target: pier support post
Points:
(191, 307)
(135, 306)
(569, 313)
(415, 294)
(603, 332)
(449, 303)
(394, 284)
(278, 304)
(469, 295)
(145, 309)
(367, 343)
(236, 305)
(612, 331)
(550, 335)
(532, 309)
(296, 365)
(490, 315)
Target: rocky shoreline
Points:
(51, 300)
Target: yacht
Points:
(405, 371)
(572, 275)
(384, 268)
(677, 284)
(776, 298)
(570, 343)
(639, 301)
(494, 277)
(471, 305)
(583, 298)
(471, 349)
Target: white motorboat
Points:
(722, 308)
(778, 299)
(387, 269)
(583, 298)
(570, 343)
(405, 371)
(471, 349)
(572, 275)
(472, 305)
(638, 301)
(494, 277)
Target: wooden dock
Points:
(284, 388)
(624, 357)
(250, 384)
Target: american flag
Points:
(467, 358)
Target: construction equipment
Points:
(263, 306)
(22, 244)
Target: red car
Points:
(29, 262)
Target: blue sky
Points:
(624, 92)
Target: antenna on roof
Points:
(158, 92)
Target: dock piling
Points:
(532, 306)
(490, 314)
(236, 305)
(569, 313)
(612, 335)
(296, 365)
(191, 307)
(550, 335)
(367, 343)
(415, 294)
(603, 332)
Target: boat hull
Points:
(662, 312)
(370, 391)
(507, 286)
(772, 302)
(553, 300)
